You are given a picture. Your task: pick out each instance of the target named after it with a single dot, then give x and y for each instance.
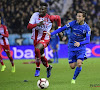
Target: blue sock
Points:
(57, 56)
(54, 56)
(77, 71)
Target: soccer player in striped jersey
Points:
(4, 45)
(40, 23)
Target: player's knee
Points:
(72, 67)
(79, 64)
(37, 50)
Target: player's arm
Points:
(32, 23)
(59, 30)
(67, 26)
(6, 34)
(56, 18)
(70, 24)
(88, 33)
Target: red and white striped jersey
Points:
(4, 35)
(38, 31)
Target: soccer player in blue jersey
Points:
(54, 44)
(79, 37)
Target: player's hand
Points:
(40, 23)
(77, 44)
(48, 33)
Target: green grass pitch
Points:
(59, 80)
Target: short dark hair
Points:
(44, 4)
(83, 12)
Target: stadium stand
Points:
(16, 13)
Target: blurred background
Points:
(16, 15)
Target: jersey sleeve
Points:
(32, 23)
(70, 24)
(88, 33)
(59, 30)
(56, 18)
(32, 19)
(6, 34)
(67, 26)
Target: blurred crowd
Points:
(16, 14)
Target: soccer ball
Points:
(42, 83)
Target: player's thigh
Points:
(80, 54)
(80, 57)
(72, 59)
(44, 42)
(42, 51)
(39, 46)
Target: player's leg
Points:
(72, 59)
(11, 60)
(45, 63)
(72, 62)
(7, 50)
(73, 65)
(54, 56)
(56, 49)
(38, 47)
(3, 66)
(80, 58)
(37, 72)
(1, 61)
(78, 69)
(44, 59)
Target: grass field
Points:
(59, 80)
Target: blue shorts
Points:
(73, 56)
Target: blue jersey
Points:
(54, 40)
(79, 33)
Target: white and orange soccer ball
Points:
(42, 83)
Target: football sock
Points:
(37, 63)
(37, 57)
(11, 60)
(77, 71)
(54, 56)
(44, 61)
